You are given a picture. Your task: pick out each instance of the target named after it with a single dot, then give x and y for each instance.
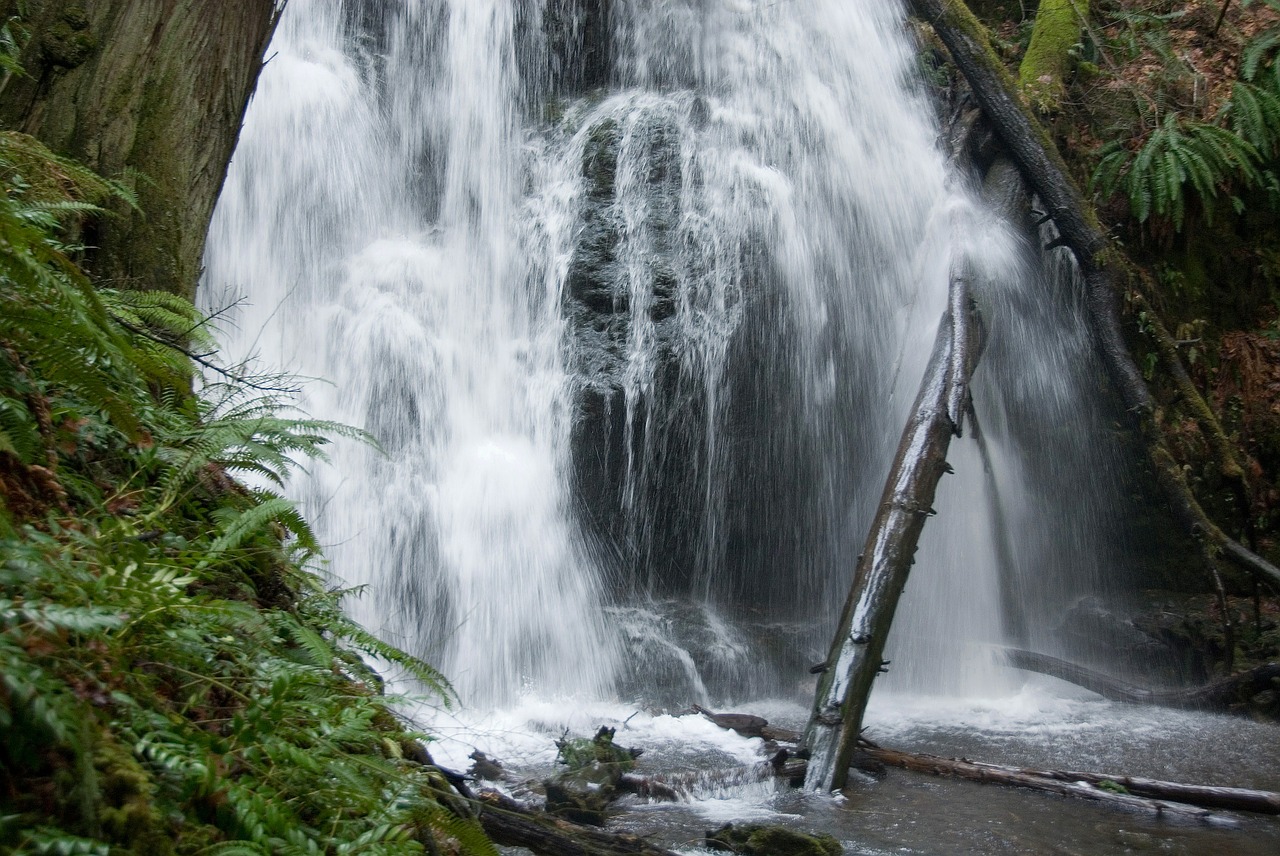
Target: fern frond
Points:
(1259, 52)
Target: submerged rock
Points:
(756, 839)
(583, 795)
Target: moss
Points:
(763, 840)
(127, 813)
(1047, 61)
(600, 158)
(68, 42)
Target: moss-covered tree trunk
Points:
(1045, 65)
(151, 90)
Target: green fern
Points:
(1254, 108)
(174, 640)
(1178, 158)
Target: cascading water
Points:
(406, 265)
(638, 354)
(635, 296)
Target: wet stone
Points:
(765, 840)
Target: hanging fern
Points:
(1254, 108)
(1254, 113)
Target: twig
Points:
(1226, 4)
(201, 360)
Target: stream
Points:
(634, 296)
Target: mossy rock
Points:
(580, 754)
(758, 839)
(600, 158)
(583, 795)
(68, 42)
(127, 812)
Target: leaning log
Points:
(1029, 146)
(513, 824)
(1221, 695)
(854, 659)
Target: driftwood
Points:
(1221, 695)
(1172, 800)
(1036, 156)
(854, 659)
(513, 824)
(1035, 780)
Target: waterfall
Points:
(407, 265)
(635, 296)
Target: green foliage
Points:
(1178, 158)
(1254, 108)
(578, 752)
(1182, 160)
(12, 35)
(175, 677)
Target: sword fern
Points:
(175, 675)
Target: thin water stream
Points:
(634, 296)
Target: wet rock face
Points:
(578, 38)
(628, 349)
(623, 259)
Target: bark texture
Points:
(151, 91)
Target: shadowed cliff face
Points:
(152, 92)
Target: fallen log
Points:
(1220, 695)
(1036, 156)
(1175, 800)
(1036, 780)
(854, 658)
(513, 824)
(1206, 796)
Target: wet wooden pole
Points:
(855, 657)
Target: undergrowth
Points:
(175, 675)
(1185, 160)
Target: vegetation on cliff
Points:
(176, 675)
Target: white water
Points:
(437, 322)
(638, 356)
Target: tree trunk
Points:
(1045, 65)
(1035, 154)
(854, 660)
(149, 91)
(1222, 695)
